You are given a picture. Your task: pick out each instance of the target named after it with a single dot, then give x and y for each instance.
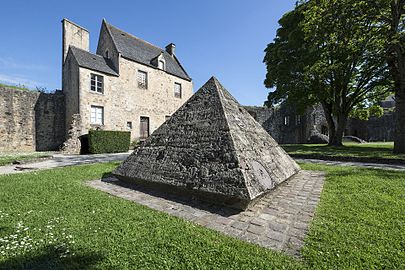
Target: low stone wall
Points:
(31, 120)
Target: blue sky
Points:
(221, 38)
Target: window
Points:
(177, 90)
(129, 125)
(96, 84)
(298, 120)
(142, 79)
(106, 54)
(167, 117)
(161, 64)
(324, 130)
(144, 127)
(97, 115)
(286, 120)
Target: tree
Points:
(396, 62)
(328, 52)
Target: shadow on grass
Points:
(172, 195)
(361, 150)
(47, 258)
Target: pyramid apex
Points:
(211, 148)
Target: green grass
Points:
(355, 150)
(6, 159)
(358, 224)
(18, 87)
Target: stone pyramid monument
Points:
(211, 148)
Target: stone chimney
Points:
(75, 35)
(170, 49)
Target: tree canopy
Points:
(329, 52)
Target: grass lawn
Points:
(6, 159)
(52, 220)
(380, 150)
(18, 87)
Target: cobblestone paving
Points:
(278, 220)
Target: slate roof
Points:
(143, 52)
(92, 61)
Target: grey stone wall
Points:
(49, 121)
(313, 121)
(285, 125)
(30, 120)
(375, 129)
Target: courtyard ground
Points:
(52, 219)
(9, 158)
(378, 152)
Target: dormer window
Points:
(161, 64)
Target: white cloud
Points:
(15, 79)
(10, 63)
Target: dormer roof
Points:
(138, 50)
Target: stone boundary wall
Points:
(31, 120)
(313, 121)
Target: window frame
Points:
(163, 67)
(98, 79)
(142, 85)
(286, 120)
(129, 125)
(298, 120)
(97, 109)
(180, 93)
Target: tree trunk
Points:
(335, 130)
(396, 62)
(399, 143)
(337, 140)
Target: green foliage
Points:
(365, 113)
(330, 52)
(106, 141)
(376, 111)
(362, 114)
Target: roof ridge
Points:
(107, 25)
(133, 36)
(83, 50)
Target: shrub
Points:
(106, 141)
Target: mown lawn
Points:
(6, 159)
(52, 220)
(381, 150)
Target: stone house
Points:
(128, 84)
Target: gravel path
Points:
(60, 160)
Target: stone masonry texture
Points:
(279, 220)
(212, 148)
(31, 120)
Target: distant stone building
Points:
(286, 126)
(128, 84)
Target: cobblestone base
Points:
(279, 220)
